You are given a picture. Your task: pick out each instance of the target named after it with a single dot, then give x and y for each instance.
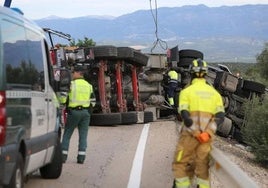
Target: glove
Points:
(186, 118)
(178, 117)
(203, 137)
(188, 122)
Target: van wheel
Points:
(53, 170)
(17, 177)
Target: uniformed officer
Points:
(202, 110)
(79, 99)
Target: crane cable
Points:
(162, 43)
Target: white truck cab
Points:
(30, 128)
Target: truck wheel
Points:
(53, 170)
(191, 53)
(185, 62)
(101, 52)
(225, 128)
(129, 118)
(148, 117)
(140, 58)
(17, 180)
(125, 52)
(133, 56)
(106, 119)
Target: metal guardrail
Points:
(228, 173)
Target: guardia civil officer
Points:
(80, 97)
(202, 110)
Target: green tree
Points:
(262, 62)
(255, 132)
(83, 43)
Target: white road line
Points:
(135, 174)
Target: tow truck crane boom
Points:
(58, 33)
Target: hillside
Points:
(235, 33)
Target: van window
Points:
(22, 57)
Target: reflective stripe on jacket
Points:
(80, 93)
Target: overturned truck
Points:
(130, 86)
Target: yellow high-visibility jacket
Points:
(80, 93)
(173, 75)
(202, 101)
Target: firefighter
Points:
(79, 99)
(202, 110)
(173, 77)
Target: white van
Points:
(30, 128)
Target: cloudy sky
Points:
(36, 9)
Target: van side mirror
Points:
(62, 79)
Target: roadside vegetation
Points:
(255, 131)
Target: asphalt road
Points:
(125, 156)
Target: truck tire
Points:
(129, 118)
(236, 105)
(132, 56)
(253, 86)
(140, 58)
(185, 62)
(17, 179)
(105, 52)
(188, 53)
(53, 170)
(125, 52)
(109, 119)
(225, 128)
(148, 117)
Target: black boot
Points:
(80, 159)
(64, 158)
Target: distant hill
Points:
(227, 33)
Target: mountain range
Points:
(223, 34)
